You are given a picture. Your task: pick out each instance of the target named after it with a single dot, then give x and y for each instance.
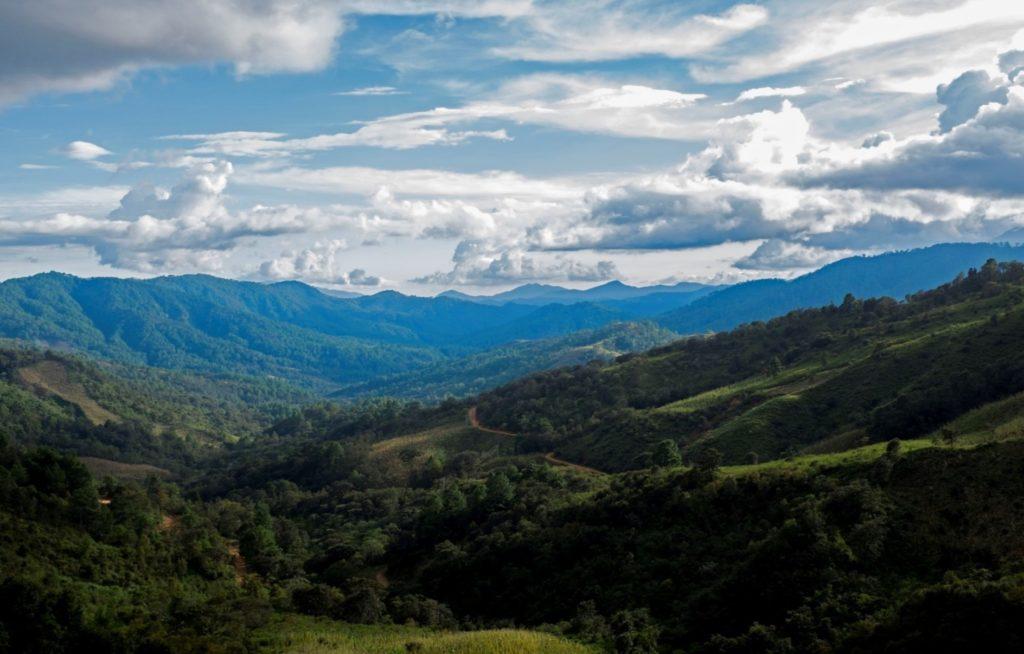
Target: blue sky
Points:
(424, 145)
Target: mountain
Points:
(478, 372)
(894, 274)
(286, 330)
(539, 294)
(814, 380)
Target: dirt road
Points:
(474, 421)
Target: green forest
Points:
(847, 478)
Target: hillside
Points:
(897, 544)
(128, 415)
(475, 373)
(813, 380)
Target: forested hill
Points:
(814, 380)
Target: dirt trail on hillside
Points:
(474, 421)
(551, 458)
(237, 562)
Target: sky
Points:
(421, 145)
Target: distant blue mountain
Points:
(894, 274)
(540, 294)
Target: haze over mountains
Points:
(296, 332)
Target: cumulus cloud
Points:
(154, 229)
(965, 95)
(320, 263)
(1011, 63)
(779, 255)
(480, 263)
(981, 155)
(765, 177)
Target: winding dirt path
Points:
(474, 421)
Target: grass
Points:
(133, 471)
(52, 376)
(302, 635)
(996, 421)
(809, 462)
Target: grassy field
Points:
(52, 377)
(300, 635)
(997, 421)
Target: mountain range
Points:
(299, 333)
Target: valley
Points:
(830, 479)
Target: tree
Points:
(635, 632)
(892, 448)
(666, 454)
(499, 490)
(709, 460)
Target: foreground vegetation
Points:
(295, 635)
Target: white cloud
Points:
(901, 45)
(598, 30)
(569, 102)
(372, 90)
(384, 133)
(32, 166)
(85, 151)
(770, 92)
